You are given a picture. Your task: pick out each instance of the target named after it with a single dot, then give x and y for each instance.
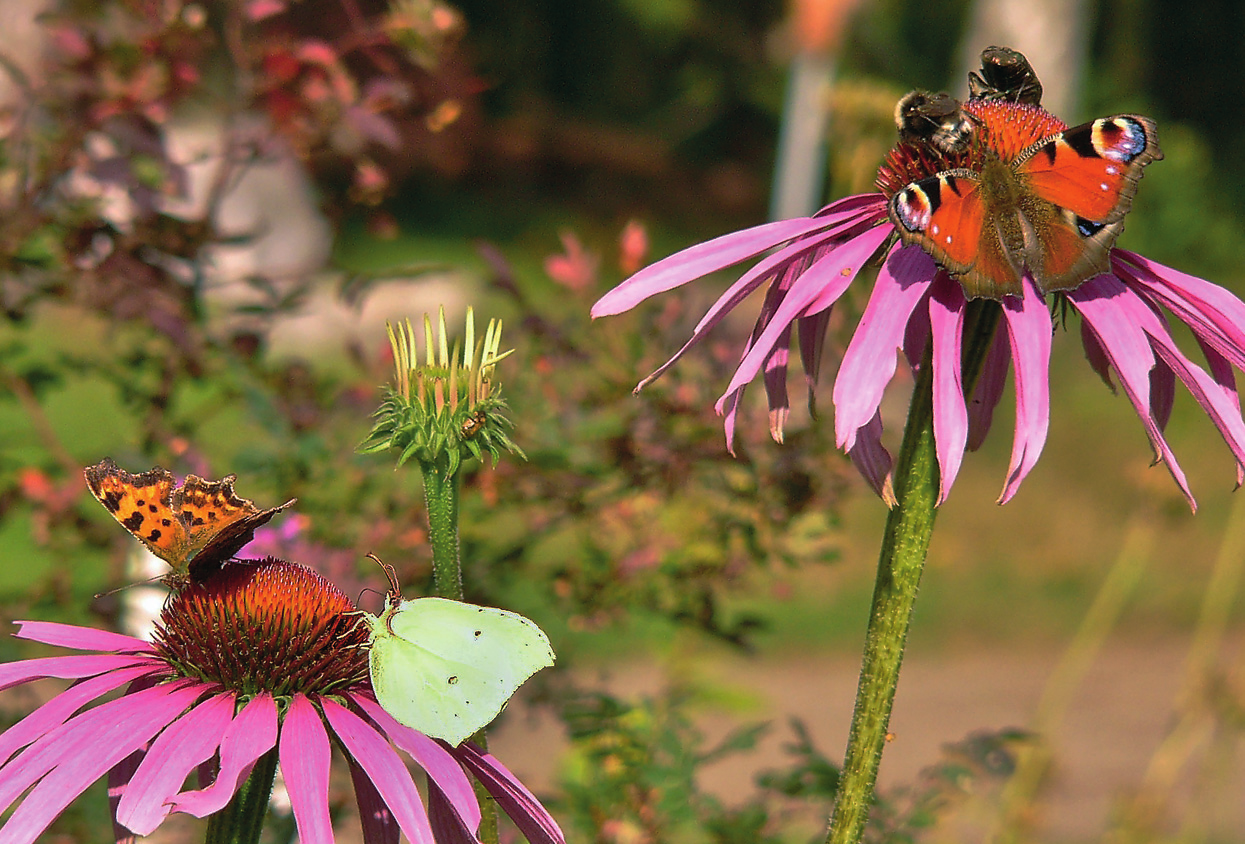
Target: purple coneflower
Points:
(810, 262)
(264, 662)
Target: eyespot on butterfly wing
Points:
(195, 527)
(1055, 209)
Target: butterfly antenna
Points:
(147, 582)
(395, 590)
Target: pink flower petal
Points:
(1221, 370)
(1216, 399)
(382, 765)
(58, 710)
(812, 340)
(252, 733)
(1029, 329)
(702, 259)
(816, 289)
(775, 378)
(379, 826)
(440, 765)
(1096, 355)
(1111, 310)
(447, 826)
(869, 362)
(792, 257)
(180, 748)
(872, 459)
(989, 389)
(71, 667)
(118, 779)
(73, 756)
(536, 824)
(946, 316)
(82, 638)
(1214, 314)
(304, 755)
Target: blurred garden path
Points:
(1115, 722)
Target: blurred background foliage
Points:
(207, 211)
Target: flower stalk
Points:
(242, 820)
(905, 544)
(439, 413)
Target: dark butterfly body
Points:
(1038, 199)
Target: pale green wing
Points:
(447, 668)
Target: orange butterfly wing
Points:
(946, 216)
(1092, 170)
(194, 528)
(1082, 182)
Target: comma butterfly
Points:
(195, 527)
(1029, 196)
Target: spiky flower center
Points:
(265, 625)
(1001, 132)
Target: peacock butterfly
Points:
(1033, 197)
(1005, 75)
(935, 119)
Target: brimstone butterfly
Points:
(447, 668)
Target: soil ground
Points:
(1113, 725)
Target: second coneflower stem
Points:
(905, 544)
(441, 488)
(242, 821)
(441, 498)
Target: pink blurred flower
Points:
(576, 269)
(263, 661)
(632, 247)
(808, 263)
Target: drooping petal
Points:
(816, 289)
(80, 638)
(1219, 402)
(782, 267)
(728, 406)
(118, 779)
(251, 734)
(1030, 331)
(1096, 355)
(379, 826)
(1162, 392)
(304, 755)
(812, 339)
(447, 826)
(775, 378)
(989, 389)
(946, 317)
(71, 757)
(872, 459)
(522, 807)
(179, 749)
(1221, 370)
(1214, 314)
(1112, 311)
(381, 763)
(869, 362)
(58, 710)
(439, 764)
(71, 667)
(700, 260)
